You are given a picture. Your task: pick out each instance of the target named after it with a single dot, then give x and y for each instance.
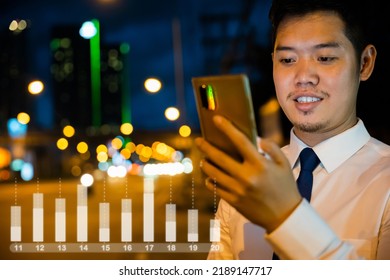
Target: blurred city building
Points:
(13, 75)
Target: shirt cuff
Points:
(303, 235)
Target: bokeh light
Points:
(5, 157)
(68, 131)
(117, 171)
(13, 26)
(102, 156)
(126, 128)
(23, 118)
(172, 113)
(62, 143)
(152, 85)
(18, 25)
(27, 171)
(35, 87)
(185, 131)
(76, 170)
(126, 153)
(117, 143)
(88, 30)
(82, 147)
(86, 180)
(101, 149)
(131, 147)
(16, 129)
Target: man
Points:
(319, 59)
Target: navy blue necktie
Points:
(309, 161)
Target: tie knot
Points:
(308, 159)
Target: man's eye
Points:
(286, 60)
(326, 59)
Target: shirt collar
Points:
(333, 151)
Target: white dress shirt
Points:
(348, 216)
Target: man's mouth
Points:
(307, 99)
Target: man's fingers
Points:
(274, 152)
(220, 179)
(245, 147)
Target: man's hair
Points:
(348, 10)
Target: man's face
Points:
(316, 75)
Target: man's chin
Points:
(309, 127)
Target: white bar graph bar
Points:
(38, 217)
(104, 222)
(82, 214)
(148, 209)
(60, 220)
(170, 222)
(215, 230)
(193, 234)
(16, 223)
(126, 221)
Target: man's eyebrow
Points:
(327, 45)
(283, 48)
(318, 46)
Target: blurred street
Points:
(183, 190)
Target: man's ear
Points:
(367, 62)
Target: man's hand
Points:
(261, 189)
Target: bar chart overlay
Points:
(110, 223)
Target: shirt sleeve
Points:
(305, 235)
(384, 235)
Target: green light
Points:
(95, 75)
(126, 94)
(210, 97)
(55, 44)
(124, 48)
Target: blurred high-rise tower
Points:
(86, 92)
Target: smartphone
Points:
(229, 96)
